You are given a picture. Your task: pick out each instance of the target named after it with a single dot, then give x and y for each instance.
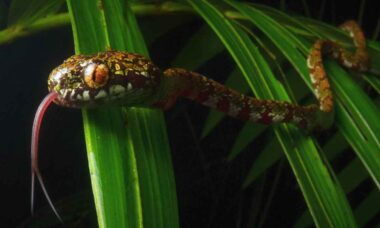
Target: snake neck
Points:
(181, 83)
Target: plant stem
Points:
(14, 32)
(17, 31)
(58, 20)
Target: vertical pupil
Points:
(93, 76)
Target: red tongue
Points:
(34, 149)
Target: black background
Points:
(209, 191)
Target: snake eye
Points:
(96, 75)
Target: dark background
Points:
(209, 192)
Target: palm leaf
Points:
(128, 149)
(132, 177)
(23, 13)
(325, 200)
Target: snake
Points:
(118, 78)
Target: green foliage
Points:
(28, 17)
(26, 12)
(130, 164)
(328, 206)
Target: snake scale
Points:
(127, 79)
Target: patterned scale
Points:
(183, 83)
(357, 61)
(121, 78)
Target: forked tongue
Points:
(34, 150)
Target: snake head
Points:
(107, 78)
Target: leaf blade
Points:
(320, 192)
(128, 173)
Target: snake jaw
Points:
(78, 82)
(58, 82)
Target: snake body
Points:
(128, 79)
(120, 78)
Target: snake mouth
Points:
(77, 98)
(73, 92)
(92, 98)
(61, 101)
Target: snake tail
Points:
(357, 61)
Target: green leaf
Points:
(291, 23)
(267, 158)
(368, 208)
(325, 200)
(285, 41)
(251, 131)
(128, 151)
(246, 135)
(359, 105)
(335, 146)
(374, 82)
(234, 81)
(204, 42)
(351, 177)
(26, 12)
(357, 118)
